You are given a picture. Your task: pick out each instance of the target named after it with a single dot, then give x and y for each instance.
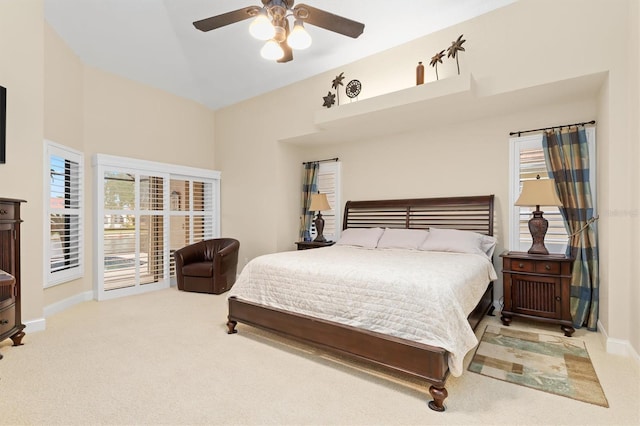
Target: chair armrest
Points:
(234, 246)
(226, 260)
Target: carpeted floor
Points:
(165, 358)
(554, 364)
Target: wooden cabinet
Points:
(10, 319)
(306, 245)
(537, 287)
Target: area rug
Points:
(554, 364)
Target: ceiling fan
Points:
(272, 25)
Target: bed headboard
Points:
(473, 213)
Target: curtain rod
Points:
(321, 161)
(551, 128)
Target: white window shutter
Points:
(64, 212)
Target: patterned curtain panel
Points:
(309, 186)
(567, 157)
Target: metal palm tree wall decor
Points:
(353, 89)
(336, 83)
(456, 46)
(434, 62)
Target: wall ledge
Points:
(446, 102)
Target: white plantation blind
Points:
(527, 162)
(152, 235)
(202, 202)
(532, 165)
(64, 212)
(192, 205)
(329, 184)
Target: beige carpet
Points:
(554, 364)
(165, 358)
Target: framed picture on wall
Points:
(3, 124)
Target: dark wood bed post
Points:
(231, 327)
(426, 362)
(438, 394)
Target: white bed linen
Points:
(415, 295)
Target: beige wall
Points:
(63, 124)
(21, 72)
(53, 95)
(634, 111)
(519, 47)
(97, 112)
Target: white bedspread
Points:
(416, 295)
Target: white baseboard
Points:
(40, 324)
(33, 326)
(617, 346)
(62, 305)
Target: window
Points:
(329, 183)
(145, 212)
(527, 162)
(64, 192)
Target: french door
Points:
(144, 215)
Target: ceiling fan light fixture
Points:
(299, 38)
(261, 27)
(272, 50)
(280, 33)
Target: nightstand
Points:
(537, 287)
(306, 245)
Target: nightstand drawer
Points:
(7, 211)
(520, 265)
(544, 267)
(7, 319)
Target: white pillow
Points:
(402, 238)
(488, 244)
(454, 240)
(360, 237)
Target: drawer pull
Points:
(558, 298)
(3, 211)
(547, 266)
(4, 321)
(520, 265)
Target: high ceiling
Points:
(154, 41)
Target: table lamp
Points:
(319, 202)
(538, 192)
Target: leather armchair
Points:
(207, 266)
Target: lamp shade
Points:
(538, 192)
(319, 202)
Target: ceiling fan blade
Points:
(218, 21)
(288, 52)
(330, 22)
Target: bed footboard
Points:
(427, 362)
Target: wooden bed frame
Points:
(430, 363)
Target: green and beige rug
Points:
(554, 364)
